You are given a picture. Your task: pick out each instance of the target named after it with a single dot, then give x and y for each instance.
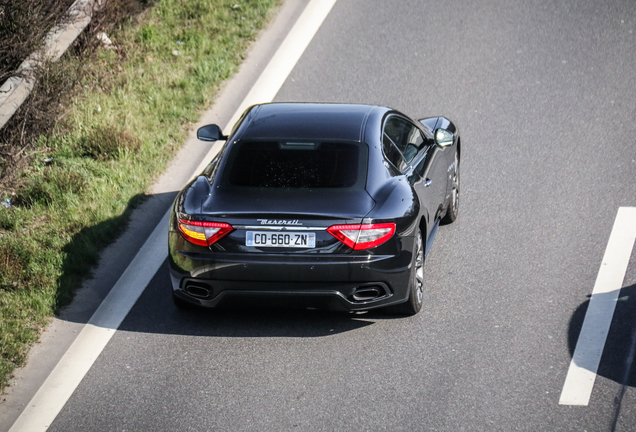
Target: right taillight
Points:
(366, 236)
(203, 233)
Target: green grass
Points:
(129, 113)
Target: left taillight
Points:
(203, 233)
(366, 236)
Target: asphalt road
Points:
(544, 93)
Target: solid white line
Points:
(598, 318)
(77, 361)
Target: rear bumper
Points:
(335, 282)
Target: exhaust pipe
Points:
(367, 293)
(198, 290)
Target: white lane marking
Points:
(598, 318)
(77, 361)
(73, 366)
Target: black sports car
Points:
(317, 205)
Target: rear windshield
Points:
(297, 165)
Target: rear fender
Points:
(396, 199)
(196, 194)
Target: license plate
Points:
(280, 239)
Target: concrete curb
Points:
(16, 89)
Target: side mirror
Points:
(443, 137)
(210, 133)
(429, 123)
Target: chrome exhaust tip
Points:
(197, 289)
(367, 293)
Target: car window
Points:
(319, 165)
(392, 153)
(414, 143)
(404, 136)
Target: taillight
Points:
(203, 233)
(360, 237)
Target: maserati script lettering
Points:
(278, 222)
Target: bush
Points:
(108, 142)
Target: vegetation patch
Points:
(100, 126)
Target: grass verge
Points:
(129, 110)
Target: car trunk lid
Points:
(285, 221)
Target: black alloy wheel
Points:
(416, 286)
(453, 207)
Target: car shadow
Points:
(154, 311)
(82, 252)
(617, 362)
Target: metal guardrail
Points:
(16, 89)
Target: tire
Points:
(416, 285)
(453, 208)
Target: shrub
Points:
(108, 142)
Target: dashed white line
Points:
(77, 361)
(581, 376)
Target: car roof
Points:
(306, 121)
